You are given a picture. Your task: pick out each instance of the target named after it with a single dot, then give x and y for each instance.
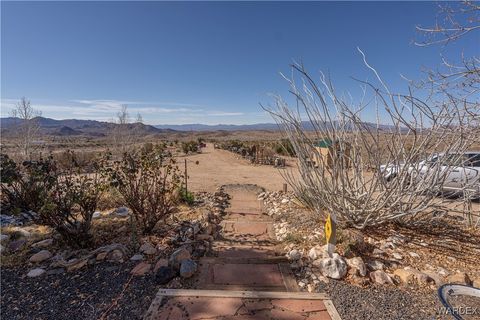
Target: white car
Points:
(459, 172)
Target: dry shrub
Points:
(148, 183)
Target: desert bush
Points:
(70, 205)
(189, 147)
(186, 196)
(25, 188)
(64, 199)
(148, 183)
(285, 148)
(67, 159)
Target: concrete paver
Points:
(247, 236)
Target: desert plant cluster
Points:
(65, 197)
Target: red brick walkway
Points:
(246, 279)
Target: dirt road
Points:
(219, 167)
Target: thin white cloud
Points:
(226, 114)
(106, 110)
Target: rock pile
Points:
(22, 219)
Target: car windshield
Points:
(473, 160)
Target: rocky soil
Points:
(42, 277)
(379, 275)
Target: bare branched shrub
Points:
(349, 181)
(148, 183)
(457, 77)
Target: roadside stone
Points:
(414, 255)
(334, 267)
(177, 257)
(406, 276)
(148, 249)
(137, 257)
(41, 256)
(387, 245)
(76, 264)
(115, 256)
(4, 237)
(141, 269)
(35, 272)
(375, 265)
(165, 274)
(380, 277)
(397, 256)
(160, 263)
(358, 266)
(294, 255)
(435, 277)
(318, 252)
(16, 245)
(43, 244)
(101, 256)
(121, 211)
(459, 278)
(187, 268)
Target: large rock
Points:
(318, 252)
(375, 265)
(76, 264)
(187, 268)
(334, 267)
(148, 249)
(294, 255)
(406, 276)
(141, 269)
(115, 256)
(41, 256)
(16, 245)
(178, 256)
(43, 244)
(162, 262)
(380, 277)
(165, 274)
(35, 272)
(137, 257)
(121, 212)
(4, 237)
(459, 278)
(358, 266)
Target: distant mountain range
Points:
(307, 125)
(75, 127)
(218, 127)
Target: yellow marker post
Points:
(330, 234)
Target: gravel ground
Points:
(381, 302)
(86, 294)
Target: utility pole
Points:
(186, 179)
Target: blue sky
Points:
(202, 62)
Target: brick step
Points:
(187, 304)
